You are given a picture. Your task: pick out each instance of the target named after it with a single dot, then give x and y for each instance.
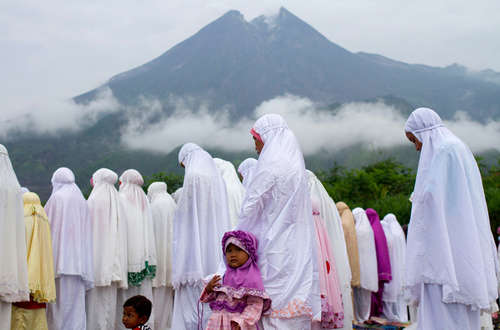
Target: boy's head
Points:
(136, 311)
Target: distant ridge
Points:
(236, 65)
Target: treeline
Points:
(384, 186)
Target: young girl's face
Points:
(235, 256)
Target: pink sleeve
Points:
(206, 298)
(251, 315)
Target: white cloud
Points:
(372, 125)
(60, 116)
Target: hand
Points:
(213, 283)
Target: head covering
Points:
(351, 240)
(162, 208)
(71, 228)
(109, 229)
(177, 194)
(277, 210)
(247, 279)
(14, 285)
(141, 249)
(257, 135)
(368, 269)
(246, 170)
(449, 237)
(24, 190)
(331, 216)
(39, 247)
(383, 260)
(235, 190)
(332, 315)
(201, 218)
(393, 290)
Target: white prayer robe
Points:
(110, 251)
(234, 188)
(71, 231)
(451, 262)
(368, 269)
(330, 214)
(201, 218)
(162, 208)
(277, 210)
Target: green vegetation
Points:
(385, 186)
(173, 181)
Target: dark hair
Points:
(141, 304)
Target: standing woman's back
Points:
(13, 266)
(71, 230)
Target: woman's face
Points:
(413, 139)
(258, 145)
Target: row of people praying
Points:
(321, 265)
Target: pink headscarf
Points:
(247, 279)
(257, 135)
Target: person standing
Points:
(451, 262)
(14, 283)
(71, 230)
(109, 234)
(277, 210)
(163, 209)
(200, 220)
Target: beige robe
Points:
(351, 241)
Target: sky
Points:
(54, 50)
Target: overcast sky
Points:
(53, 50)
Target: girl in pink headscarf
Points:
(241, 299)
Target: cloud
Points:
(57, 117)
(371, 125)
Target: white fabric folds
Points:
(162, 208)
(449, 237)
(235, 190)
(141, 249)
(201, 219)
(14, 283)
(277, 210)
(368, 269)
(246, 169)
(109, 230)
(71, 228)
(177, 194)
(331, 216)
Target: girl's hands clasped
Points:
(213, 283)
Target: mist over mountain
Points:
(235, 65)
(209, 89)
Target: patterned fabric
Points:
(143, 327)
(136, 279)
(227, 312)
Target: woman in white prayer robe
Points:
(246, 169)
(368, 269)
(110, 250)
(235, 190)
(71, 230)
(451, 262)
(201, 218)
(141, 249)
(162, 208)
(14, 283)
(331, 216)
(395, 308)
(177, 194)
(277, 210)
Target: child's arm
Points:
(208, 294)
(251, 315)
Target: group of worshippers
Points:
(271, 252)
